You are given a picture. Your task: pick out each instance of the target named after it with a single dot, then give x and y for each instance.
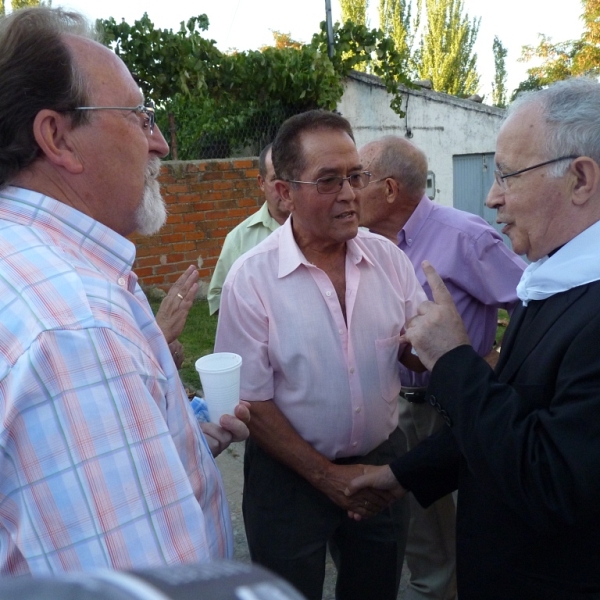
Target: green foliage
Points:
(499, 84)
(216, 98)
(395, 23)
(445, 55)
(356, 44)
(355, 11)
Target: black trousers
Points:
(289, 524)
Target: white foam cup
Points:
(220, 377)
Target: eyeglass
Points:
(378, 180)
(500, 177)
(147, 111)
(332, 185)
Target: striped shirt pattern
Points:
(102, 463)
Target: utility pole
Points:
(329, 23)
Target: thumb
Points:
(357, 484)
(439, 291)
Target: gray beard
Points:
(152, 212)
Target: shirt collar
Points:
(291, 257)
(413, 226)
(263, 217)
(69, 228)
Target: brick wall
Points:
(205, 199)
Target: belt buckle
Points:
(414, 397)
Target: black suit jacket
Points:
(523, 449)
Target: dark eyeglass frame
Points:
(381, 179)
(356, 181)
(146, 109)
(500, 177)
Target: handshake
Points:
(362, 490)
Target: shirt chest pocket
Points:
(386, 352)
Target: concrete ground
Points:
(231, 465)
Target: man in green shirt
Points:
(251, 231)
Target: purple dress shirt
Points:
(478, 269)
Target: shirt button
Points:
(409, 240)
(354, 444)
(121, 281)
(351, 369)
(357, 409)
(328, 293)
(341, 331)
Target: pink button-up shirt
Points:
(336, 382)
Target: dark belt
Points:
(416, 395)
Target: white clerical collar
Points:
(575, 264)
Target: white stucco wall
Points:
(441, 125)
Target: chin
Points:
(151, 215)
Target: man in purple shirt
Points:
(482, 275)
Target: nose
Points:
(495, 196)
(157, 143)
(347, 192)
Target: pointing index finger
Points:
(439, 291)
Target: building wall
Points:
(205, 200)
(441, 125)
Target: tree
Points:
(355, 11)
(446, 54)
(562, 60)
(395, 22)
(220, 103)
(16, 4)
(499, 84)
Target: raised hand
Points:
(174, 308)
(437, 328)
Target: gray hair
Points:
(37, 72)
(262, 161)
(404, 162)
(571, 110)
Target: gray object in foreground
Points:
(218, 580)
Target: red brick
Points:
(246, 202)
(212, 176)
(196, 216)
(223, 185)
(243, 164)
(183, 246)
(171, 239)
(224, 166)
(176, 188)
(184, 227)
(195, 235)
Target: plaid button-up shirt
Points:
(102, 463)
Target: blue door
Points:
(473, 178)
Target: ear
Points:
(391, 190)
(261, 182)
(283, 188)
(53, 133)
(587, 179)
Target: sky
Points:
(248, 24)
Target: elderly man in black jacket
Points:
(522, 444)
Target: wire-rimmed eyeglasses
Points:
(500, 178)
(333, 185)
(144, 110)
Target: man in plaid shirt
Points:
(102, 463)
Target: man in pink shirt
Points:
(316, 311)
